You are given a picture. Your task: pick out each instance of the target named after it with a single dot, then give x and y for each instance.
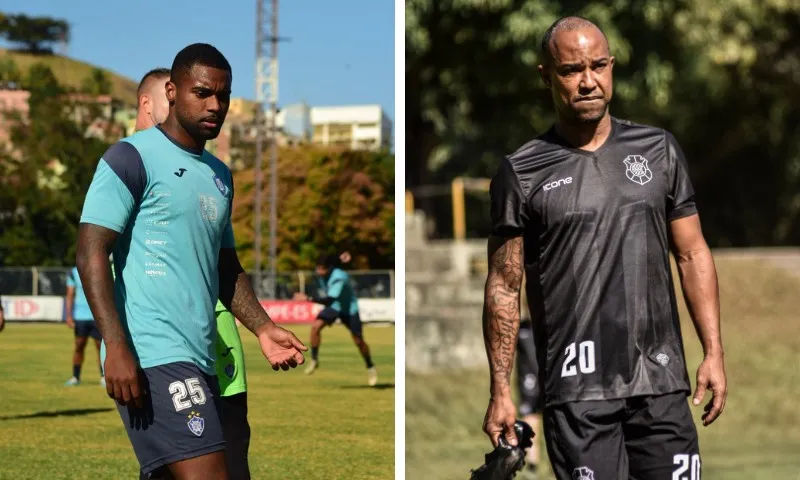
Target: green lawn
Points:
(326, 426)
(757, 437)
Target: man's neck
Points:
(143, 122)
(585, 136)
(174, 129)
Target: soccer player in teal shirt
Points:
(162, 204)
(79, 317)
(340, 302)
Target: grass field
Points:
(327, 426)
(757, 437)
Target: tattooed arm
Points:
(501, 314)
(94, 247)
(237, 294)
(281, 347)
(501, 317)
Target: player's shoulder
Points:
(632, 131)
(533, 150)
(216, 164)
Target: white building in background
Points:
(359, 127)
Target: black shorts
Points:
(87, 328)
(352, 322)
(179, 419)
(531, 399)
(638, 438)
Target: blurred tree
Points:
(97, 82)
(44, 174)
(328, 200)
(10, 75)
(721, 77)
(35, 34)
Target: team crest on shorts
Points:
(583, 473)
(637, 170)
(196, 423)
(663, 359)
(223, 189)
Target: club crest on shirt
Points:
(636, 169)
(583, 473)
(223, 189)
(196, 423)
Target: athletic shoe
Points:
(72, 382)
(372, 375)
(312, 367)
(505, 461)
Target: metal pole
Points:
(273, 187)
(259, 146)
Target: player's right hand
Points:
(70, 321)
(122, 375)
(499, 420)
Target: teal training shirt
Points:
(80, 307)
(338, 287)
(172, 208)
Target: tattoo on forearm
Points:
(94, 245)
(245, 305)
(501, 313)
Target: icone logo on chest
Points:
(557, 183)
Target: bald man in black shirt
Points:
(589, 212)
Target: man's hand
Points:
(300, 297)
(281, 348)
(70, 322)
(711, 376)
(122, 376)
(499, 420)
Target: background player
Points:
(340, 302)
(80, 319)
(162, 204)
(153, 109)
(595, 204)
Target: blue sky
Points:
(339, 52)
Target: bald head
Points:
(152, 103)
(553, 36)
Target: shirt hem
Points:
(594, 396)
(167, 360)
(229, 392)
(103, 223)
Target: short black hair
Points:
(154, 73)
(571, 23)
(199, 54)
(328, 260)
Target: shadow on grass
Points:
(59, 413)
(379, 386)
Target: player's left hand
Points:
(711, 376)
(281, 348)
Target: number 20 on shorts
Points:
(584, 356)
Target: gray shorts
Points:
(179, 418)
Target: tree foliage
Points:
(328, 200)
(721, 76)
(97, 82)
(45, 171)
(34, 34)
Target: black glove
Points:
(505, 461)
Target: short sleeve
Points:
(680, 199)
(116, 189)
(508, 202)
(71, 278)
(227, 235)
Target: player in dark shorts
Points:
(589, 212)
(340, 302)
(162, 204)
(80, 319)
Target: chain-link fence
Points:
(53, 281)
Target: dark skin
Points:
(199, 101)
(579, 75)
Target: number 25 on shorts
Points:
(190, 388)
(585, 359)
